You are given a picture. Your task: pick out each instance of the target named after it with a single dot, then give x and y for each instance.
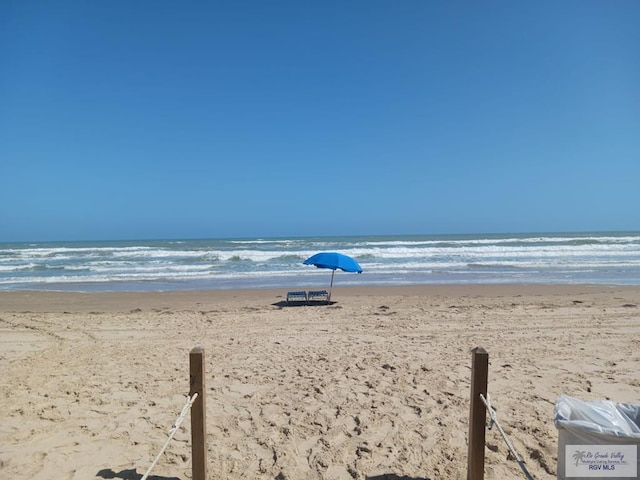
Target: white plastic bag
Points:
(597, 440)
(603, 417)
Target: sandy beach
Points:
(374, 386)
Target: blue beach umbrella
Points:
(334, 261)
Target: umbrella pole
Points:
(333, 272)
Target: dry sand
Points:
(373, 386)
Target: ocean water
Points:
(161, 265)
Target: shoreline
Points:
(78, 302)
(264, 263)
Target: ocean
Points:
(163, 265)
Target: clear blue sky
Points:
(140, 119)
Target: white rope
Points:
(172, 432)
(494, 420)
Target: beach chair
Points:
(296, 297)
(321, 295)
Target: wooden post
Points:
(198, 416)
(478, 413)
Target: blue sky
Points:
(164, 119)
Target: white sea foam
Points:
(591, 258)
